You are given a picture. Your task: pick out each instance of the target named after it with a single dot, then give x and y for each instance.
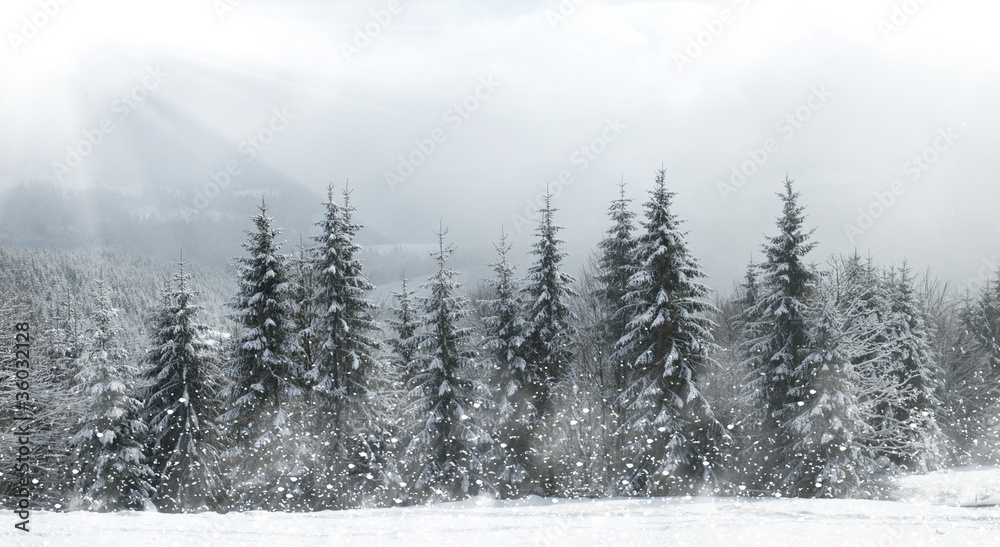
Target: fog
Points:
(884, 112)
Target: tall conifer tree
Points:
(547, 350)
(780, 339)
(180, 404)
(504, 326)
(266, 384)
(345, 362)
(113, 474)
(671, 436)
(616, 266)
(446, 449)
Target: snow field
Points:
(482, 522)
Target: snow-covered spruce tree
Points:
(590, 417)
(779, 344)
(974, 378)
(351, 463)
(722, 381)
(263, 397)
(831, 459)
(616, 266)
(911, 435)
(672, 438)
(113, 474)
(547, 350)
(404, 323)
(305, 321)
(445, 452)
(65, 342)
(504, 327)
(68, 344)
(180, 404)
(305, 316)
(404, 326)
(748, 295)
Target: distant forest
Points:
(156, 222)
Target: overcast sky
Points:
(851, 99)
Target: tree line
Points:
(633, 380)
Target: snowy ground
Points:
(928, 515)
(952, 487)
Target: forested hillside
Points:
(50, 279)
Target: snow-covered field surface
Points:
(928, 514)
(952, 487)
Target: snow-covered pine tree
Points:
(912, 434)
(263, 397)
(404, 324)
(305, 315)
(547, 351)
(589, 415)
(832, 459)
(66, 343)
(305, 318)
(112, 470)
(672, 437)
(616, 266)
(504, 327)
(723, 382)
(779, 342)
(446, 449)
(613, 269)
(974, 378)
(749, 294)
(345, 362)
(180, 404)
